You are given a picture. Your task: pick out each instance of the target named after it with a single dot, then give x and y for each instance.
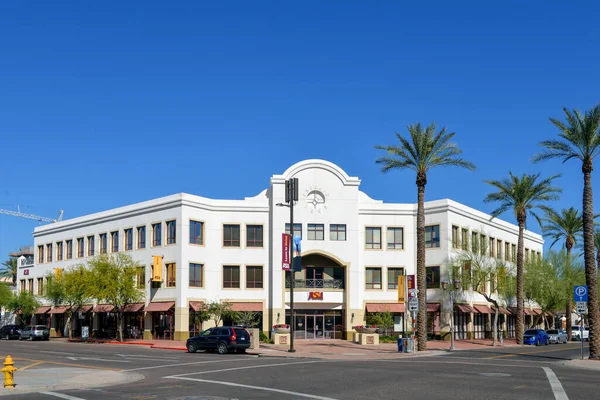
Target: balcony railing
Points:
(316, 283)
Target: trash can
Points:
(407, 345)
(400, 344)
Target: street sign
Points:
(581, 307)
(581, 293)
(413, 304)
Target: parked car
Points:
(33, 332)
(223, 339)
(576, 333)
(557, 336)
(10, 332)
(536, 336)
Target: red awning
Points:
(386, 307)
(246, 307)
(465, 308)
(59, 310)
(133, 307)
(196, 305)
(433, 307)
(160, 306)
(484, 309)
(43, 310)
(84, 308)
(514, 310)
(503, 311)
(537, 311)
(529, 312)
(104, 308)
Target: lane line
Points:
(246, 367)
(239, 385)
(68, 364)
(62, 396)
(557, 389)
(58, 352)
(529, 352)
(487, 364)
(486, 358)
(182, 364)
(31, 365)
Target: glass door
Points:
(315, 327)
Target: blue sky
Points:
(104, 104)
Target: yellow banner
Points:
(157, 268)
(401, 298)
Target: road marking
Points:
(62, 396)
(68, 364)
(148, 357)
(96, 359)
(557, 389)
(246, 367)
(58, 352)
(487, 358)
(30, 365)
(487, 364)
(182, 364)
(298, 394)
(530, 352)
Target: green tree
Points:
(523, 195)
(567, 226)
(579, 138)
(24, 304)
(113, 278)
(77, 286)
(423, 150)
(219, 310)
(384, 319)
(6, 295)
(9, 270)
(246, 318)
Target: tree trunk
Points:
(421, 272)
(120, 325)
(520, 309)
(495, 326)
(569, 305)
(590, 265)
(69, 325)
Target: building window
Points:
(195, 275)
(231, 276)
(373, 278)
(59, 251)
(91, 245)
(466, 274)
(40, 254)
(171, 275)
(315, 232)
(80, 249)
(499, 249)
(196, 232)
(114, 241)
(392, 276)
(465, 239)
(432, 236)
(254, 277)
(69, 249)
(40, 286)
(297, 230)
(395, 238)
(475, 242)
(373, 238)
(514, 253)
(231, 236)
(30, 285)
(455, 237)
(507, 251)
(156, 234)
(492, 247)
(22, 285)
(337, 232)
(171, 232)
(433, 277)
(254, 236)
(140, 277)
(141, 237)
(483, 244)
(49, 252)
(128, 239)
(103, 243)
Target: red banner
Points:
(410, 285)
(286, 242)
(315, 295)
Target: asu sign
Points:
(315, 295)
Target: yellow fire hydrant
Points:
(9, 371)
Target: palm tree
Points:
(597, 246)
(579, 138)
(424, 150)
(567, 226)
(523, 195)
(9, 270)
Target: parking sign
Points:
(580, 293)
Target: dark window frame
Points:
(335, 230)
(373, 284)
(80, 247)
(229, 281)
(194, 280)
(395, 244)
(252, 280)
(252, 239)
(229, 235)
(432, 274)
(171, 232)
(372, 244)
(128, 237)
(315, 229)
(297, 229)
(157, 234)
(196, 232)
(393, 284)
(434, 243)
(141, 237)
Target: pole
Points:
(451, 320)
(293, 280)
(581, 333)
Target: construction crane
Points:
(18, 213)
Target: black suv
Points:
(10, 332)
(223, 339)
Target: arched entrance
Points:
(319, 297)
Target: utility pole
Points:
(291, 195)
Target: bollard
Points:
(9, 371)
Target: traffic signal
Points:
(157, 268)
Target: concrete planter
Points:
(282, 330)
(365, 330)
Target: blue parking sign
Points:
(580, 293)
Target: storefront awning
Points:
(537, 311)
(59, 310)
(433, 307)
(160, 306)
(484, 309)
(386, 307)
(196, 305)
(529, 312)
(246, 307)
(43, 310)
(133, 307)
(104, 308)
(503, 311)
(465, 308)
(84, 308)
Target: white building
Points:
(353, 249)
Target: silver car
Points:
(557, 335)
(35, 332)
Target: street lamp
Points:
(456, 287)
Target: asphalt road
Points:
(505, 373)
